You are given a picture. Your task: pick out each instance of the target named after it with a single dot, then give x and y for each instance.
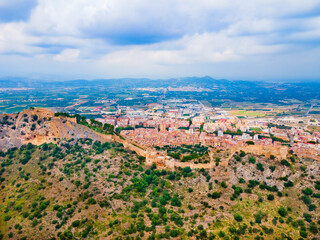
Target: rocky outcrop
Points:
(38, 126)
(278, 151)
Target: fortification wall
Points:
(279, 152)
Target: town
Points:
(178, 122)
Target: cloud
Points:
(163, 35)
(67, 55)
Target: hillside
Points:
(38, 126)
(76, 188)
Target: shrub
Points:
(282, 211)
(303, 168)
(223, 184)
(313, 228)
(307, 191)
(288, 184)
(285, 163)
(270, 197)
(237, 217)
(306, 199)
(307, 217)
(252, 160)
(175, 201)
(200, 227)
(214, 195)
(203, 234)
(76, 223)
(303, 234)
(258, 217)
(312, 207)
(35, 222)
(174, 233)
(260, 167)
(272, 168)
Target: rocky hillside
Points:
(38, 126)
(85, 189)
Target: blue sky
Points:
(234, 39)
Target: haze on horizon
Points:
(234, 39)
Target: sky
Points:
(232, 39)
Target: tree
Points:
(175, 201)
(313, 228)
(252, 160)
(237, 217)
(270, 197)
(260, 167)
(307, 191)
(303, 234)
(249, 142)
(282, 211)
(223, 184)
(76, 223)
(214, 195)
(272, 168)
(174, 233)
(285, 163)
(306, 199)
(258, 217)
(242, 153)
(288, 184)
(307, 217)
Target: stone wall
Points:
(279, 152)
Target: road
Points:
(312, 105)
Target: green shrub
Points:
(307, 191)
(306, 199)
(272, 168)
(174, 233)
(282, 211)
(270, 197)
(260, 167)
(237, 217)
(285, 163)
(307, 217)
(214, 195)
(252, 160)
(303, 234)
(288, 184)
(76, 223)
(223, 184)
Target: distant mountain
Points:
(206, 81)
(236, 90)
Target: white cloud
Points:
(68, 55)
(164, 34)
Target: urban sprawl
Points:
(175, 123)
